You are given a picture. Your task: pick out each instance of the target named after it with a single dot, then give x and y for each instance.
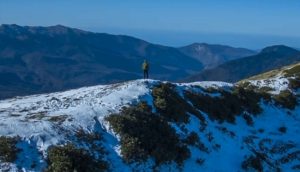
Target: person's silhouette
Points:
(145, 68)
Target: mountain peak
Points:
(61, 29)
(55, 29)
(279, 49)
(198, 44)
(10, 26)
(6, 27)
(212, 55)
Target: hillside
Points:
(284, 71)
(268, 59)
(46, 59)
(153, 125)
(211, 55)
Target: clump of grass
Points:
(36, 116)
(294, 83)
(58, 119)
(248, 119)
(88, 137)
(253, 162)
(292, 72)
(171, 105)
(249, 99)
(8, 149)
(286, 99)
(92, 140)
(290, 157)
(282, 129)
(296, 167)
(215, 107)
(200, 161)
(68, 158)
(192, 139)
(229, 104)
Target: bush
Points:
(296, 167)
(200, 161)
(286, 99)
(171, 106)
(290, 157)
(282, 129)
(144, 134)
(249, 99)
(68, 158)
(92, 141)
(294, 71)
(58, 119)
(248, 119)
(253, 162)
(8, 149)
(192, 138)
(294, 83)
(215, 107)
(229, 104)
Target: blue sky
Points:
(253, 24)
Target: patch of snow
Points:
(277, 84)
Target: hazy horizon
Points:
(254, 24)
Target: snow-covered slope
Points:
(33, 118)
(41, 121)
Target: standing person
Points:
(146, 69)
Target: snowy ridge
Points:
(51, 119)
(275, 79)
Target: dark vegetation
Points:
(286, 99)
(295, 155)
(200, 161)
(248, 119)
(93, 141)
(294, 83)
(171, 105)
(58, 119)
(294, 77)
(228, 105)
(282, 129)
(8, 149)
(69, 158)
(145, 134)
(253, 162)
(293, 72)
(192, 139)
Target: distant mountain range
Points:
(213, 55)
(268, 59)
(47, 59)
